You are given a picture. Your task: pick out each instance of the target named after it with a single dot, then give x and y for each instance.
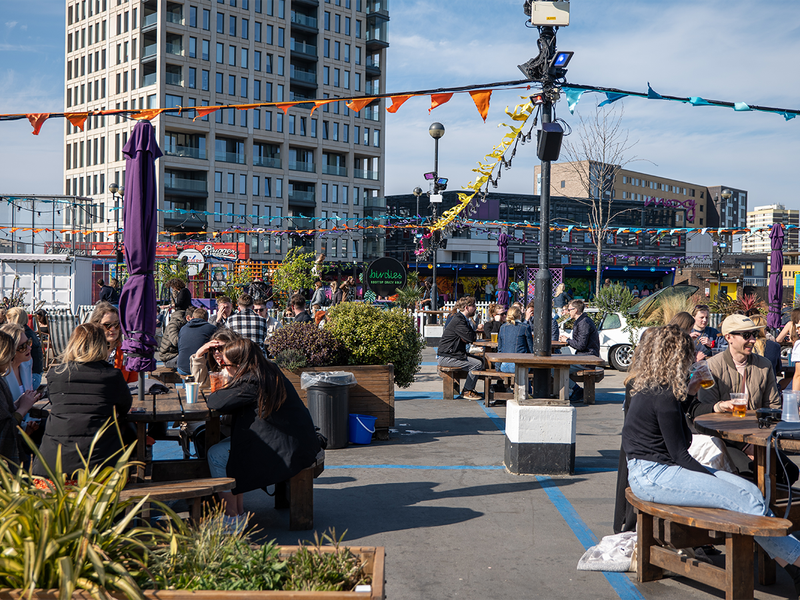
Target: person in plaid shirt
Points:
(247, 323)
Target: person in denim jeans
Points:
(656, 440)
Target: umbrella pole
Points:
(141, 386)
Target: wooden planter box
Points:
(374, 556)
(373, 394)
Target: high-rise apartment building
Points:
(764, 217)
(255, 168)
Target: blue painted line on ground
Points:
(429, 364)
(579, 470)
(498, 422)
(421, 395)
(623, 586)
(422, 467)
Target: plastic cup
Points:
(216, 381)
(191, 392)
(739, 405)
(700, 369)
(790, 412)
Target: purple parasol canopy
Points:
(502, 270)
(137, 303)
(775, 291)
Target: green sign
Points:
(385, 275)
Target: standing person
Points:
(271, 427)
(585, 341)
(247, 323)
(488, 291)
(191, 337)
(106, 315)
(344, 292)
(705, 337)
(12, 410)
(260, 308)
(351, 289)
(656, 440)
(453, 346)
(224, 310)
(561, 299)
(298, 306)
(168, 351)
(319, 296)
(85, 392)
(20, 317)
(107, 293)
(336, 293)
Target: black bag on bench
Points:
(783, 430)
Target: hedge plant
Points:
(373, 336)
(320, 347)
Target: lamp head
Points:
(417, 192)
(113, 188)
(727, 194)
(436, 130)
(121, 190)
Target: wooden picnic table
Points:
(560, 363)
(492, 346)
(746, 430)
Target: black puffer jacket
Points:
(265, 451)
(84, 397)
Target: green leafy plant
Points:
(311, 568)
(319, 347)
(79, 536)
(235, 283)
(614, 298)
(408, 296)
(377, 337)
(293, 274)
(291, 359)
(724, 305)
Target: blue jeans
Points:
(671, 484)
(218, 456)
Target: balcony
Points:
(378, 8)
(304, 21)
(302, 198)
(229, 157)
(373, 66)
(176, 18)
(306, 2)
(263, 161)
(334, 170)
(150, 51)
(756, 281)
(301, 223)
(150, 20)
(362, 174)
(185, 185)
(187, 152)
(173, 78)
(372, 113)
(303, 77)
(305, 167)
(375, 202)
(376, 36)
(175, 49)
(149, 79)
(308, 50)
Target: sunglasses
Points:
(747, 335)
(223, 364)
(25, 346)
(110, 326)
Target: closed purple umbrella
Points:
(502, 270)
(775, 292)
(137, 303)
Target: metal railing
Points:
(306, 167)
(303, 47)
(150, 19)
(176, 49)
(179, 183)
(149, 79)
(229, 157)
(362, 174)
(307, 76)
(186, 152)
(334, 170)
(264, 161)
(304, 20)
(176, 18)
(301, 196)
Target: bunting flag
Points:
(78, 119)
(481, 100)
(318, 103)
(357, 105)
(438, 100)
(204, 111)
(37, 120)
(146, 115)
(397, 102)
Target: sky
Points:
(682, 48)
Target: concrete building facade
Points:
(762, 217)
(250, 169)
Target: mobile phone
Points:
(42, 389)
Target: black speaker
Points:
(549, 141)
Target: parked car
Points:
(616, 341)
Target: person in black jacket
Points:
(191, 337)
(453, 346)
(85, 391)
(272, 437)
(585, 340)
(299, 309)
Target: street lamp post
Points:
(417, 192)
(116, 190)
(436, 131)
(722, 246)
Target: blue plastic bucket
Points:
(361, 428)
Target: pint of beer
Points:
(700, 369)
(739, 405)
(494, 337)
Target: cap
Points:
(738, 323)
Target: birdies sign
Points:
(385, 275)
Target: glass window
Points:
(232, 56)
(376, 138)
(217, 188)
(257, 32)
(337, 49)
(243, 58)
(192, 47)
(220, 53)
(256, 89)
(327, 21)
(269, 34)
(206, 45)
(218, 84)
(232, 25)
(347, 53)
(257, 60)
(192, 16)
(242, 191)
(231, 85)
(337, 21)
(256, 119)
(243, 91)
(204, 81)
(267, 188)
(326, 48)
(268, 119)
(206, 19)
(256, 181)
(192, 77)
(230, 190)
(278, 190)
(280, 37)
(220, 22)
(245, 28)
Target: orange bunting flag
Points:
(397, 102)
(147, 114)
(248, 106)
(357, 105)
(77, 119)
(206, 110)
(285, 106)
(481, 100)
(438, 100)
(318, 103)
(37, 120)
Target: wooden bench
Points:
(192, 490)
(588, 377)
(297, 494)
(489, 395)
(702, 526)
(450, 381)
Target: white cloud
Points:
(11, 24)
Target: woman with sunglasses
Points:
(106, 316)
(273, 437)
(12, 410)
(208, 358)
(85, 391)
(19, 377)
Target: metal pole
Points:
(33, 210)
(13, 228)
(434, 290)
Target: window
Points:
(269, 35)
(243, 90)
(324, 192)
(337, 50)
(257, 60)
(336, 80)
(218, 205)
(358, 29)
(218, 85)
(231, 25)
(280, 37)
(242, 191)
(278, 190)
(337, 20)
(243, 58)
(192, 77)
(256, 119)
(218, 189)
(220, 23)
(279, 122)
(280, 65)
(326, 75)
(326, 48)
(192, 16)
(232, 56)
(327, 21)
(230, 191)
(256, 181)
(256, 90)
(231, 85)
(205, 50)
(220, 53)
(257, 32)
(347, 53)
(347, 25)
(206, 19)
(245, 29)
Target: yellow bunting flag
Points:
(481, 100)
(397, 102)
(438, 100)
(37, 120)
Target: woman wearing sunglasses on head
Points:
(106, 316)
(273, 437)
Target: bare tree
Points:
(597, 152)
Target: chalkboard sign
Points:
(385, 275)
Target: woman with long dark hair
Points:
(272, 437)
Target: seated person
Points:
(515, 337)
(19, 316)
(273, 436)
(497, 316)
(106, 315)
(85, 391)
(191, 337)
(208, 358)
(168, 351)
(19, 378)
(453, 346)
(12, 410)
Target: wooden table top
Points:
(168, 407)
(556, 360)
(737, 429)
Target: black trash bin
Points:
(328, 395)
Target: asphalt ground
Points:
(456, 524)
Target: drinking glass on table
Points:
(739, 405)
(494, 337)
(700, 369)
